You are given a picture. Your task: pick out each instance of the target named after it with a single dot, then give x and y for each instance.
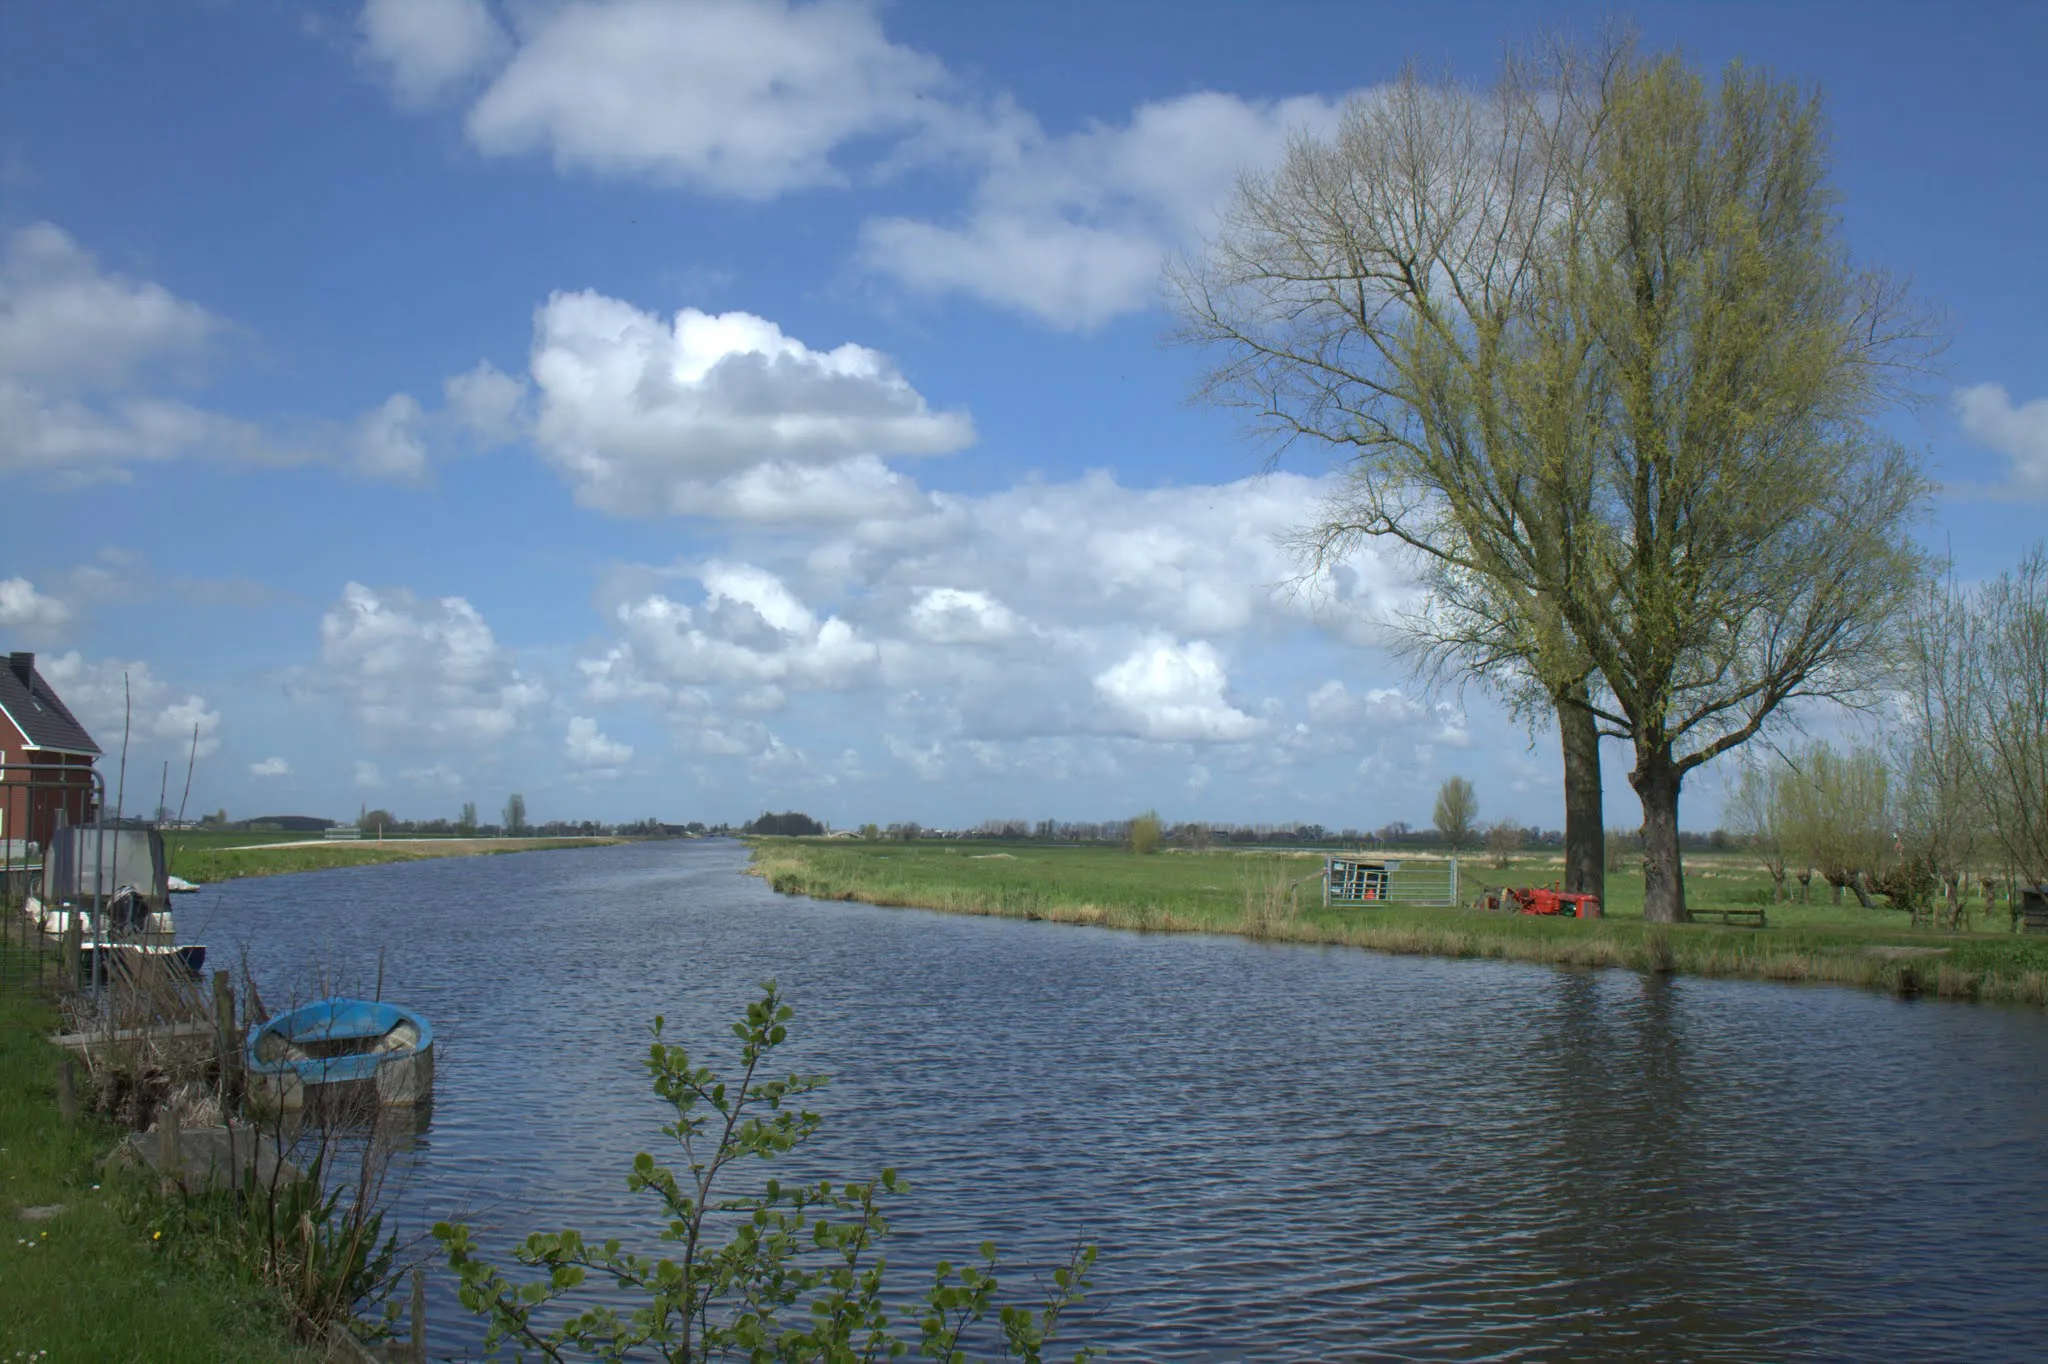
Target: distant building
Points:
(46, 756)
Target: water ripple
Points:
(1286, 1153)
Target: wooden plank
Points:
(174, 1032)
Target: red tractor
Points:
(1570, 904)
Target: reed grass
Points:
(1242, 893)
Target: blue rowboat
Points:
(321, 1049)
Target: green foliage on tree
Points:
(1595, 348)
(799, 1276)
(515, 815)
(1147, 833)
(1457, 810)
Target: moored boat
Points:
(337, 1046)
(107, 885)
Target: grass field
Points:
(87, 1281)
(204, 856)
(1255, 894)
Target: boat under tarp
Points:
(340, 1048)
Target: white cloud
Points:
(387, 440)
(951, 615)
(1005, 633)
(24, 608)
(731, 96)
(79, 347)
(722, 414)
(425, 47)
(750, 631)
(1175, 692)
(487, 402)
(270, 767)
(368, 775)
(1383, 707)
(1073, 230)
(423, 669)
(588, 747)
(438, 776)
(1380, 711)
(2019, 433)
(105, 693)
(64, 322)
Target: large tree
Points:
(1599, 356)
(1378, 293)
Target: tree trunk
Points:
(1585, 850)
(1656, 779)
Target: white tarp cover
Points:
(92, 860)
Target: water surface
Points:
(1283, 1152)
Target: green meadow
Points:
(205, 855)
(82, 1275)
(1277, 896)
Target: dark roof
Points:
(36, 709)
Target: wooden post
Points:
(419, 1316)
(230, 1036)
(67, 1091)
(169, 1155)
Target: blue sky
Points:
(686, 409)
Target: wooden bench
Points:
(1750, 918)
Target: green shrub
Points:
(798, 1277)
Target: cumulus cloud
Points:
(1380, 712)
(387, 442)
(723, 414)
(80, 350)
(24, 608)
(952, 615)
(270, 767)
(487, 402)
(1175, 692)
(1073, 230)
(102, 693)
(2019, 433)
(422, 669)
(589, 748)
(730, 96)
(1200, 561)
(368, 775)
(1063, 623)
(749, 631)
(426, 47)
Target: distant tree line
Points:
(788, 824)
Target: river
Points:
(1283, 1152)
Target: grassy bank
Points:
(1248, 894)
(80, 1277)
(206, 857)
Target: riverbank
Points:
(84, 1279)
(1251, 895)
(208, 857)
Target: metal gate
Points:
(1359, 882)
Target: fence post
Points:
(67, 1091)
(230, 1037)
(170, 1157)
(1453, 902)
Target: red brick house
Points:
(46, 757)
